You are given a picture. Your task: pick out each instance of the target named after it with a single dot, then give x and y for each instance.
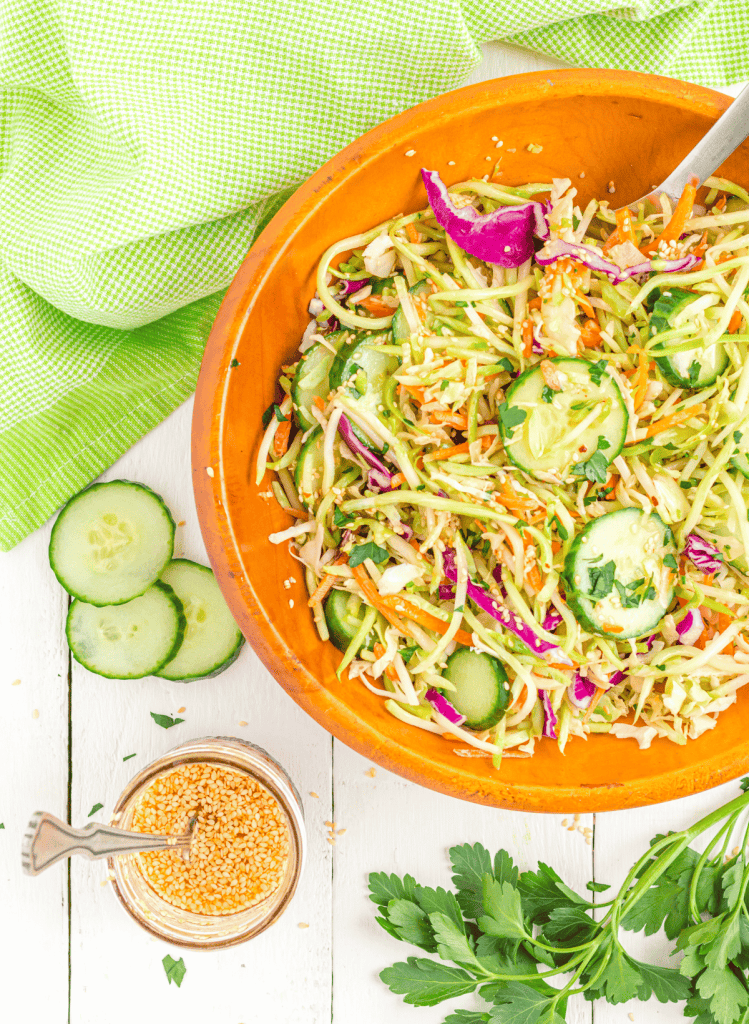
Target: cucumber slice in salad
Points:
(212, 639)
(312, 377)
(556, 432)
(127, 641)
(344, 613)
(696, 367)
(360, 363)
(618, 582)
(309, 469)
(111, 542)
(482, 690)
(419, 292)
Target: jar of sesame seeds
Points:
(246, 852)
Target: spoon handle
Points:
(728, 132)
(48, 840)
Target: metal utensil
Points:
(728, 132)
(48, 840)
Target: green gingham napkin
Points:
(143, 144)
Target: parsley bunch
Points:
(503, 933)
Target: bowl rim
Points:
(211, 498)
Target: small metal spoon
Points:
(48, 840)
(728, 132)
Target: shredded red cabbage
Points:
(446, 592)
(580, 691)
(550, 718)
(504, 237)
(705, 556)
(552, 620)
(595, 260)
(618, 676)
(348, 287)
(691, 627)
(503, 615)
(443, 707)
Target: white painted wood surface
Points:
(68, 952)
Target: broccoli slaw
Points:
(515, 447)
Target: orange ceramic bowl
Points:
(595, 127)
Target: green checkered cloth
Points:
(143, 144)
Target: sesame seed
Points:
(565, 823)
(16, 682)
(631, 1016)
(35, 713)
(180, 710)
(315, 795)
(450, 163)
(371, 773)
(495, 138)
(610, 188)
(209, 471)
(241, 723)
(581, 174)
(410, 152)
(302, 924)
(291, 602)
(240, 841)
(181, 522)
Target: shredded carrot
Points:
(535, 303)
(459, 449)
(527, 338)
(397, 480)
(611, 628)
(639, 380)
(511, 499)
(675, 226)
(326, 584)
(281, 440)
(720, 202)
(374, 305)
(390, 670)
(413, 390)
(412, 233)
(584, 304)
(701, 248)
(371, 593)
(611, 482)
(590, 334)
(453, 419)
(319, 403)
(625, 227)
(556, 547)
(531, 572)
(600, 691)
(520, 698)
(735, 322)
(399, 604)
(673, 420)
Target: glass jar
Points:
(203, 931)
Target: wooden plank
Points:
(283, 975)
(34, 773)
(395, 826)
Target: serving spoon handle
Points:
(728, 132)
(48, 840)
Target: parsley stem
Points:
(727, 829)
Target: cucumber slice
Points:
(344, 613)
(482, 690)
(696, 368)
(111, 542)
(212, 638)
(127, 641)
(309, 469)
(741, 462)
(312, 378)
(419, 291)
(367, 369)
(541, 428)
(616, 579)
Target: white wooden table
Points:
(67, 950)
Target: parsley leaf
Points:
(234, 363)
(383, 888)
(359, 552)
(165, 721)
(267, 414)
(601, 579)
(727, 995)
(341, 519)
(670, 562)
(693, 371)
(94, 809)
(466, 1017)
(737, 435)
(594, 469)
(547, 395)
(603, 443)
(521, 1004)
(426, 982)
(597, 370)
(561, 530)
(511, 416)
(175, 970)
(504, 912)
(506, 365)
(543, 891)
(744, 784)
(596, 887)
(411, 924)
